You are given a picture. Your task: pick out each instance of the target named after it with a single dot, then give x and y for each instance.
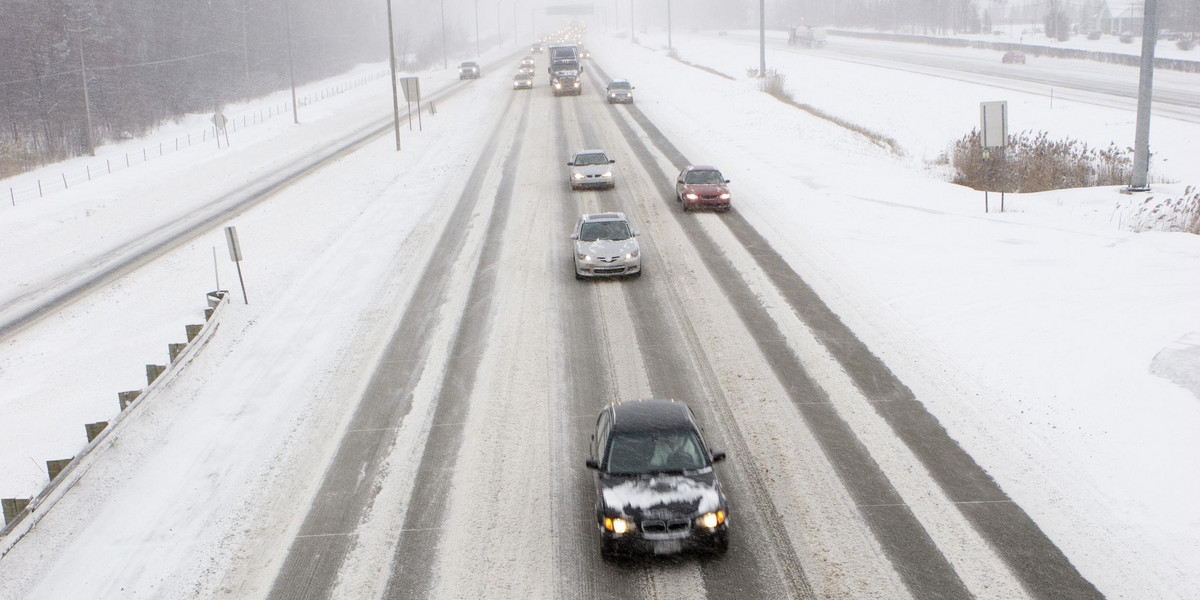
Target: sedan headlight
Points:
(616, 525)
(711, 520)
(607, 174)
(691, 196)
(633, 254)
(577, 175)
(584, 257)
(724, 196)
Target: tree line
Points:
(146, 61)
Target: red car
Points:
(700, 186)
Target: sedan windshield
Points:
(640, 452)
(706, 177)
(604, 230)
(619, 85)
(583, 160)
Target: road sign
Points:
(993, 123)
(412, 88)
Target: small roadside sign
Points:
(412, 93)
(235, 254)
(993, 123)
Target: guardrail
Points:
(22, 514)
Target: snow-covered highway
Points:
(403, 409)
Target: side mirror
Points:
(612, 160)
(575, 237)
(726, 181)
(570, 164)
(718, 456)
(591, 463)
(636, 233)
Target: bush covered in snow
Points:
(1036, 163)
(1158, 213)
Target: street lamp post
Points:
(632, 31)
(1141, 143)
(668, 24)
(445, 64)
(476, 28)
(287, 18)
(392, 63)
(499, 32)
(762, 38)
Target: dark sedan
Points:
(656, 489)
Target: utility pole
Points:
(392, 63)
(476, 28)
(499, 35)
(287, 18)
(1141, 140)
(668, 24)
(762, 38)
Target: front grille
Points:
(668, 526)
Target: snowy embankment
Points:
(1030, 334)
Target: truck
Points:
(809, 37)
(565, 70)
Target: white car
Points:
(591, 169)
(604, 245)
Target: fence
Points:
(34, 189)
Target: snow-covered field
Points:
(1031, 334)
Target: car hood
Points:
(662, 496)
(705, 189)
(606, 247)
(592, 169)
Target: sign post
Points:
(993, 133)
(235, 254)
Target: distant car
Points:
(1093, 34)
(700, 186)
(1013, 57)
(527, 62)
(584, 53)
(604, 245)
(619, 90)
(523, 81)
(468, 70)
(656, 489)
(535, 48)
(591, 169)
(528, 70)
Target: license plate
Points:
(668, 547)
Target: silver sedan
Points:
(604, 245)
(591, 169)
